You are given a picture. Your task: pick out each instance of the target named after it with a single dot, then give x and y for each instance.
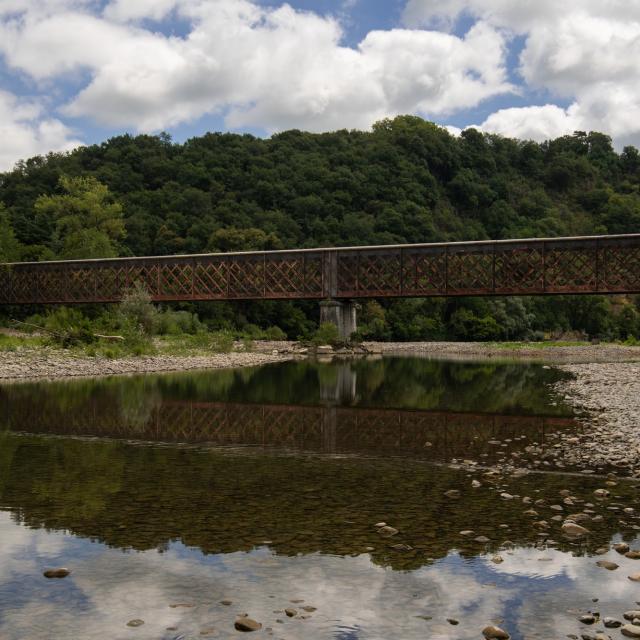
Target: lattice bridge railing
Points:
(598, 264)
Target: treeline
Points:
(407, 180)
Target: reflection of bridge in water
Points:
(322, 429)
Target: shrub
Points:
(136, 307)
(274, 333)
(327, 333)
(68, 327)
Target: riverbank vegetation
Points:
(407, 180)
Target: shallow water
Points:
(167, 494)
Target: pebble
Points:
(495, 633)
(452, 493)
(387, 531)
(635, 577)
(244, 623)
(291, 612)
(574, 530)
(61, 572)
(135, 623)
(606, 564)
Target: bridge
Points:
(338, 276)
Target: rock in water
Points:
(495, 633)
(574, 530)
(61, 572)
(621, 547)
(245, 623)
(135, 623)
(452, 493)
(291, 612)
(606, 564)
(631, 615)
(635, 577)
(387, 531)
(630, 630)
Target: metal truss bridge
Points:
(578, 265)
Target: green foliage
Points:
(274, 333)
(327, 333)
(67, 327)
(137, 311)
(407, 180)
(87, 222)
(10, 247)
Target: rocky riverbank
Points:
(529, 351)
(607, 398)
(54, 363)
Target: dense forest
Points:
(407, 180)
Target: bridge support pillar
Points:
(341, 314)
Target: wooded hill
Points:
(407, 180)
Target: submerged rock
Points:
(495, 633)
(244, 623)
(135, 623)
(61, 572)
(387, 531)
(573, 530)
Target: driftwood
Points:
(109, 338)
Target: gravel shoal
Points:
(607, 399)
(34, 364)
(470, 350)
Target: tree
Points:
(88, 222)
(10, 247)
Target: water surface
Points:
(168, 494)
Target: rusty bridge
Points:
(578, 265)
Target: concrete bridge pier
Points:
(340, 313)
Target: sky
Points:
(77, 72)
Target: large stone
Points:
(244, 623)
(61, 572)
(630, 630)
(387, 531)
(574, 530)
(495, 633)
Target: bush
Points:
(274, 333)
(136, 307)
(68, 327)
(327, 333)
(174, 323)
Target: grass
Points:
(13, 343)
(545, 344)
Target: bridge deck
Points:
(595, 264)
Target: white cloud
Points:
(26, 131)
(585, 51)
(270, 68)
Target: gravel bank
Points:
(607, 397)
(471, 350)
(41, 363)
